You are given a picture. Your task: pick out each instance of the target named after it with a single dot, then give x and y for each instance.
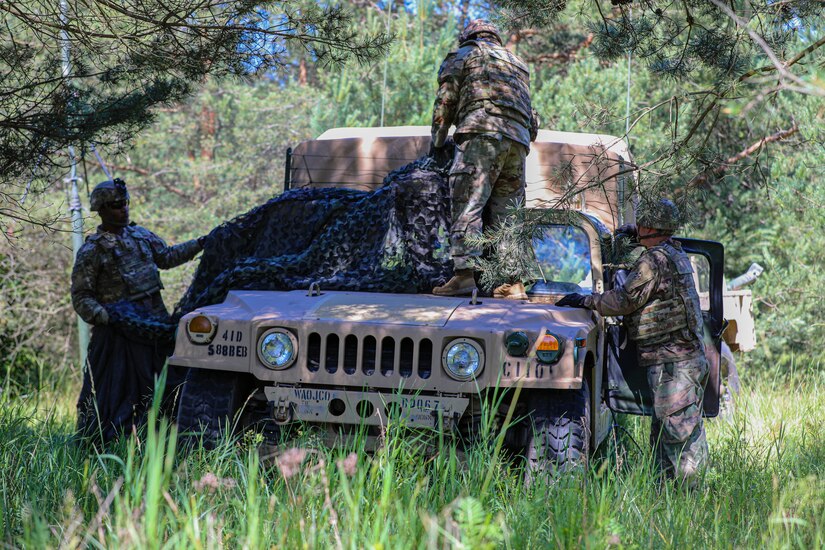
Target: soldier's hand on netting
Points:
(102, 317)
(443, 155)
(628, 231)
(572, 300)
(207, 240)
(535, 124)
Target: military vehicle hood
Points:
(397, 309)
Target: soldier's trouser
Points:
(677, 432)
(487, 173)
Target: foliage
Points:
(127, 58)
(765, 488)
(34, 302)
(357, 95)
(779, 226)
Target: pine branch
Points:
(703, 178)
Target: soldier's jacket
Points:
(111, 267)
(483, 88)
(660, 305)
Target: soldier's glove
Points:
(572, 300)
(209, 239)
(535, 124)
(628, 231)
(443, 155)
(102, 317)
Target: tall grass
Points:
(766, 487)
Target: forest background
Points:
(221, 151)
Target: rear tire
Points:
(213, 403)
(559, 437)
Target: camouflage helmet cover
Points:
(478, 26)
(662, 214)
(108, 191)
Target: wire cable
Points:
(100, 161)
(627, 432)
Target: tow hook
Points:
(282, 411)
(448, 418)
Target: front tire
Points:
(559, 438)
(213, 403)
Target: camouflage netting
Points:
(141, 324)
(394, 239)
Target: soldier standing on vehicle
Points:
(662, 313)
(484, 90)
(116, 270)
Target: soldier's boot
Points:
(462, 284)
(513, 291)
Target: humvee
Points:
(358, 360)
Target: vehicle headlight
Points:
(277, 348)
(201, 329)
(463, 359)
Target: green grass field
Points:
(766, 488)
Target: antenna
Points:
(386, 63)
(622, 179)
(75, 207)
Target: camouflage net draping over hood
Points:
(394, 239)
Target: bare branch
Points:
(778, 65)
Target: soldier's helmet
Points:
(662, 214)
(108, 191)
(476, 27)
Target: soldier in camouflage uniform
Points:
(117, 267)
(484, 90)
(662, 313)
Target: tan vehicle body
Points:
(361, 355)
(418, 328)
(387, 348)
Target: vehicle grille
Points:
(387, 356)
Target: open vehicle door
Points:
(627, 390)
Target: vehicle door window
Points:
(701, 278)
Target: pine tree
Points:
(127, 58)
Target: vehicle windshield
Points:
(563, 260)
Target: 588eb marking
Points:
(226, 350)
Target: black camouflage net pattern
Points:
(394, 239)
(141, 324)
